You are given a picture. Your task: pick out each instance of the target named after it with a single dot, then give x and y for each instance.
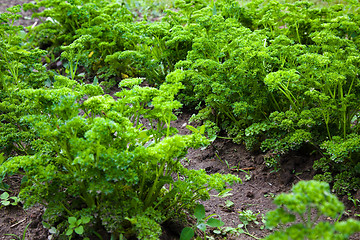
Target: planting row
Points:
(275, 76)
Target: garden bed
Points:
(253, 197)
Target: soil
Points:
(260, 184)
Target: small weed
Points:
(247, 217)
(272, 162)
(228, 205)
(247, 176)
(271, 195)
(6, 200)
(76, 225)
(353, 200)
(201, 223)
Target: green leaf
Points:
(213, 222)
(2, 158)
(214, 10)
(202, 227)
(217, 231)
(85, 219)
(187, 234)
(46, 225)
(79, 230)
(202, 130)
(4, 196)
(47, 59)
(191, 128)
(53, 230)
(96, 81)
(199, 212)
(225, 193)
(72, 220)
(69, 232)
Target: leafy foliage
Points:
(274, 75)
(20, 68)
(84, 163)
(305, 197)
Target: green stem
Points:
(344, 109)
(152, 194)
(98, 235)
(66, 209)
(167, 122)
(297, 32)
(309, 223)
(249, 234)
(290, 97)
(277, 107)
(327, 126)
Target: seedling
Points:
(271, 195)
(223, 194)
(246, 217)
(6, 200)
(247, 176)
(353, 200)
(76, 225)
(201, 223)
(229, 204)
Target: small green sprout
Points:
(201, 223)
(76, 225)
(6, 200)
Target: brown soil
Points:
(26, 19)
(260, 184)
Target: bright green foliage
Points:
(99, 163)
(276, 76)
(87, 157)
(106, 25)
(76, 225)
(20, 68)
(160, 112)
(341, 153)
(117, 46)
(73, 53)
(308, 198)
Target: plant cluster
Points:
(94, 161)
(273, 75)
(20, 68)
(100, 165)
(306, 203)
(278, 76)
